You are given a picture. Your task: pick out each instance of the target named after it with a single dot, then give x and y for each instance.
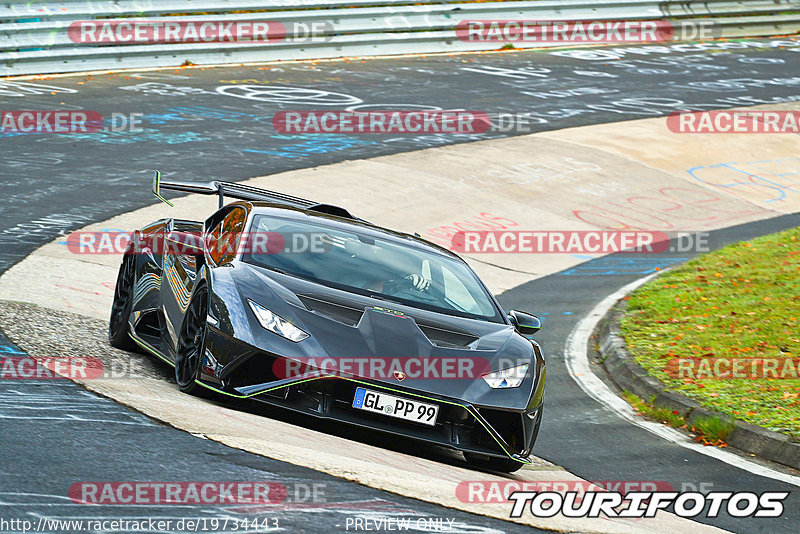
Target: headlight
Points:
(507, 378)
(277, 324)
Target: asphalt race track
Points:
(216, 124)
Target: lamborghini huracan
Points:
(304, 306)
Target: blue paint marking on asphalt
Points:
(614, 265)
(7, 347)
(358, 402)
(740, 174)
(308, 145)
(201, 112)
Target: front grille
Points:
(454, 427)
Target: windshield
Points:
(346, 259)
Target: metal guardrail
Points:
(34, 37)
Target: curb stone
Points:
(627, 374)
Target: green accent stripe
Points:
(158, 190)
(150, 349)
(237, 396)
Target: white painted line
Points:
(579, 368)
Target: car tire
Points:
(191, 345)
(505, 465)
(121, 307)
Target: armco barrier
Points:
(34, 37)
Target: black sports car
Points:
(303, 306)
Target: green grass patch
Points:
(662, 415)
(714, 429)
(735, 310)
(705, 430)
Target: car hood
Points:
(367, 338)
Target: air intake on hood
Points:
(447, 338)
(337, 312)
(351, 315)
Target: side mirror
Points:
(525, 323)
(184, 243)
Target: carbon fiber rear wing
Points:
(244, 192)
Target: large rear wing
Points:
(244, 192)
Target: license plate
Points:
(402, 408)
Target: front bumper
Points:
(460, 425)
